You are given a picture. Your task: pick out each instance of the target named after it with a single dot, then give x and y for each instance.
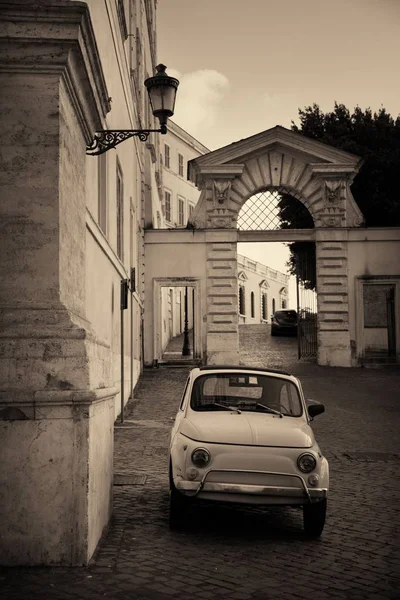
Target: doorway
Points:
(288, 262)
(177, 337)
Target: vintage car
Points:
(284, 322)
(243, 435)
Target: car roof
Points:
(241, 368)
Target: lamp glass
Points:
(162, 94)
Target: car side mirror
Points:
(315, 409)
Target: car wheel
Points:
(177, 504)
(314, 518)
(177, 508)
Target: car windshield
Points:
(246, 392)
(286, 315)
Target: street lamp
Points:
(162, 94)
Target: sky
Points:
(246, 66)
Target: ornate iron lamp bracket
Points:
(109, 138)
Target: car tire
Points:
(177, 508)
(314, 518)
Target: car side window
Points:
(184, 394)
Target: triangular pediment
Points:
(275, 139)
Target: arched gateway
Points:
(277, 159)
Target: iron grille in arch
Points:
(274, 209)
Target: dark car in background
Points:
(284, 322)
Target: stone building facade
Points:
(261, 291)
(72, 228)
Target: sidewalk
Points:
(173, 351)
(238, 553)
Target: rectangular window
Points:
(180, 164)
(181, 211)
(120, 214)
(102, 192)
(167, 160)
(191, 209)
(168, 206)
(122, 19)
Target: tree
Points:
(373, 136)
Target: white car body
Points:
(253, 455)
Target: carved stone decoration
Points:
(221, 218)
(334, 191)
(331, 218)
(223, 222)
(221, 191)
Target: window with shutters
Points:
(180, 165)
(120, 213)
(122, 19)
(167, 159)
(181, 211)
(102, 192)
(168, 206)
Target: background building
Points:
(261, 290)
(179, 199)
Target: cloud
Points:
(199, 99)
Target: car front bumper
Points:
(303, 493)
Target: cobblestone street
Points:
(242, 553)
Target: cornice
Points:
(240, 151)
(200, 173)
(57, 37)
(175, 130)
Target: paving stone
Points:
(238, 552)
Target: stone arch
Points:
(317, 175)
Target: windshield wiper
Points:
(228, 407)
(269, 409)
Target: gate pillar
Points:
(216, 213)
(222, 341)
(334, 347)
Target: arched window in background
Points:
(264, 311)
(242, 307)
(252, 306)
(273, 305)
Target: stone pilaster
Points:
(222, 311)
(57, 493)
(333, 304)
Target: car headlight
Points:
(306, 462)
(201, 457)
